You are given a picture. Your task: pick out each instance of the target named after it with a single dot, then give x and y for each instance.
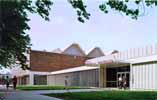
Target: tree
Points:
(122, 6)
(15, 42)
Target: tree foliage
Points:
(80, 8)
(122, 6)
(15, 42)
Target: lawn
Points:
(1, 96)
(46, 87)
(107, 95)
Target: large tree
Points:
(15, 42)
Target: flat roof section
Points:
(76, 69)
(133, 56)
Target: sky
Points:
(108, 31)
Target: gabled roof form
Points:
(96, 52)
(75, 50)
(58, 50)
(114, 51)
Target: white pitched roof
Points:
(96, 52)
(58, 50)
(74, 49)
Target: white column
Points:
(102, 76)
(131, 77)
(31, 78)
(155, 75)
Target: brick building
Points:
(44, 64)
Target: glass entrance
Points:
(113, 73)
(123, 75)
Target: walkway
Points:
(22, 95)
(64, 91)
(36, 95)
(26, 96)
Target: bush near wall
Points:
(47, 87)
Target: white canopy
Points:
(81, 68)
(110, 59)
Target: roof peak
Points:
(74, 49)
(95, 52)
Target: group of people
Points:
(122, 82)
(8, 81)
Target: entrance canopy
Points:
(109, 60)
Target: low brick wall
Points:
(48, 61)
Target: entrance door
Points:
(125, 75)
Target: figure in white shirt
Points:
(120, 82)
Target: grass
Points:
(46, 87)
(107, 95)
(1, 95)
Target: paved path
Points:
(36, 95)
(64, 91)
(22, 95)
(27, 96)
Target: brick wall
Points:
(48, 61)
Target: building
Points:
(46, 66)
(78, 76)
(3, 77)
(137, 65)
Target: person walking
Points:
(14, 82)
(120, 82)
(7, 82)
(66, 82)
